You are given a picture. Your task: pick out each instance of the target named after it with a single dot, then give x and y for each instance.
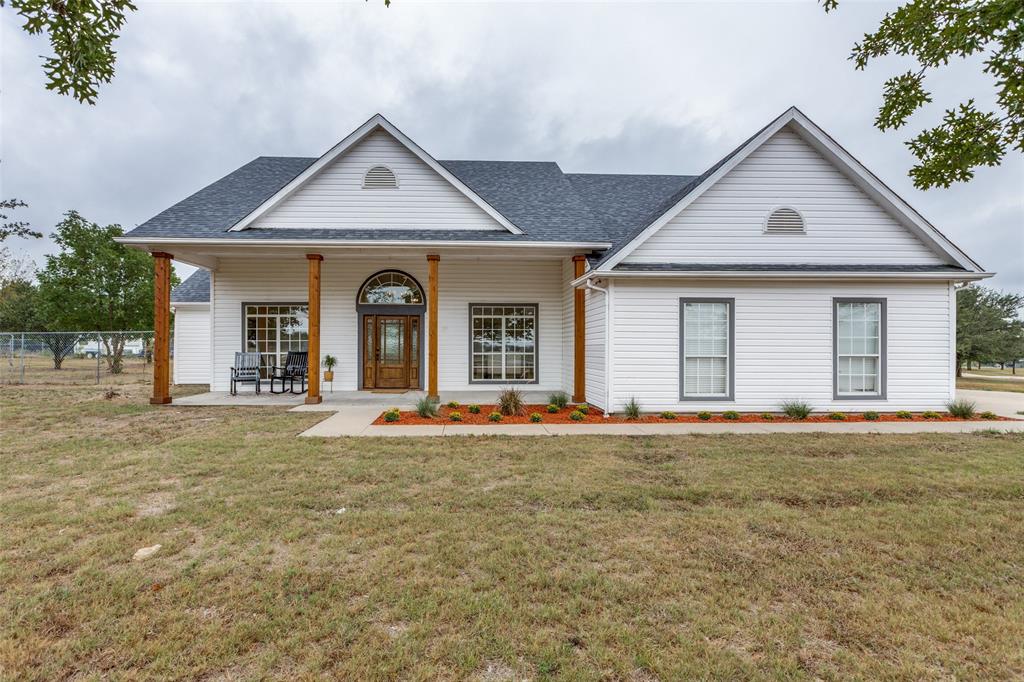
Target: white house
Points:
(785, 271)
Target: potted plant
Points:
(329, 362)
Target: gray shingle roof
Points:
(537, 197)
(195, 289)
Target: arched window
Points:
(380, 177)
(391, 287)
(784, 220)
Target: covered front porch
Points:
(471, 321)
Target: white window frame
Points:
(730, 364)
(279, 355)
(536, 342)
(882, 354)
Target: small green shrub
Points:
(474, 409)
(511, 402)
(632, 409)
(837, 416)
(796, 409)
(871, 416)
(962, 409)
(584, 408)
(535, 417)
(731, 415)
(552, 408)
(454, 404)
(905, 414)
(931, 414)
(392, 415)
(767, 416)
(455, 416)
(701, 415)
(426, 407)
(559, 399)
(991, 415)
(668, 415)
(576, 416)
(495, 416)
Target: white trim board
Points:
(353, 138)
(839, 157)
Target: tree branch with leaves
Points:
(933, 32)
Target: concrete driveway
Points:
(1003, 403)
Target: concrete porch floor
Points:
(333, 402)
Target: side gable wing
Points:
(851, 217)
(331, 193)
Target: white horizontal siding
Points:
(726, 223)
(568, 321)
(335, 198)
(595, 348)
(191, 344)
(461, 282)
(783, 344)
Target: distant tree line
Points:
(988, 328)
(92, 284)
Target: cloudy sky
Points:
(202, 88)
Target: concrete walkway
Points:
(1003, 403)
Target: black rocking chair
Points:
(245, 371)
(295, 366)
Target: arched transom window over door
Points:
(391, 287)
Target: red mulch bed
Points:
(595, 416)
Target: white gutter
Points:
(775, 274)
(344, 243)
(607, 345)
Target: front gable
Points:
(848, 215)
(376, 179)
(821, 217)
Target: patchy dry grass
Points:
(993, 384)
(794, 556)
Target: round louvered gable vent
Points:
(784, 221)
(380, 177)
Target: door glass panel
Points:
(392, 341)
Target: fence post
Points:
(22, 357)
(98, 346)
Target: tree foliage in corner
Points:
(82, 34)
(933, 32)
(94, 283)
(987, 326)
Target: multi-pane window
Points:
(503, 343)
(859, 348)
(273, 330)
(706, 348)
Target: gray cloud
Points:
(203, 88)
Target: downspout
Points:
(607, 345)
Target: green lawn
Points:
(774, 556)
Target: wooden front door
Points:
(391, 351)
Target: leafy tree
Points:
(986, 325)
(933, 32)
(82, 35)
(21, 308)
(94, 283)
(14, 228)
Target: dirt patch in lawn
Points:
(595, 416)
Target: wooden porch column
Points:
(161, 328)
(432, 261)
(313, 343)
(579, 370)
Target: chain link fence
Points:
(121, 357)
